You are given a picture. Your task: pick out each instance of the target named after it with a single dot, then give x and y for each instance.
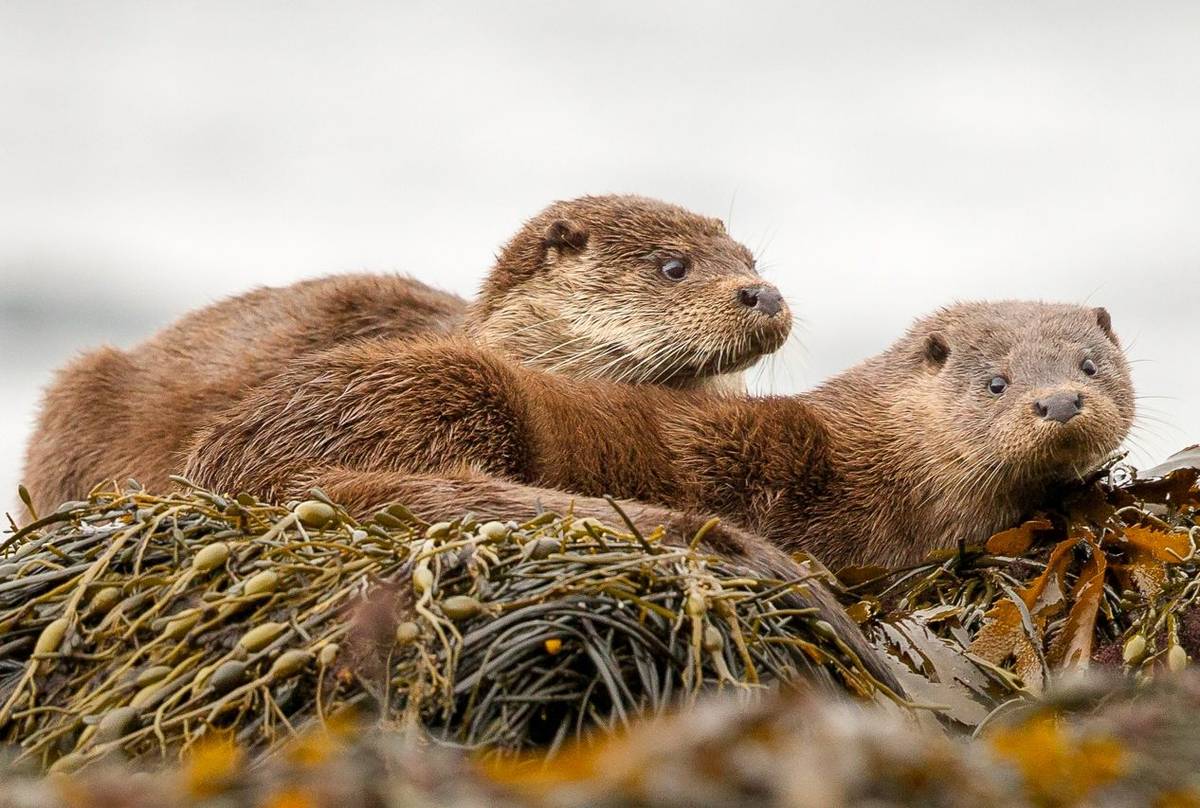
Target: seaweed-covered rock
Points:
(141, 624)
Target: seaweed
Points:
(1108, 576)
(142, 624)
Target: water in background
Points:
(882, 159)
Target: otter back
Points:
(612, 287)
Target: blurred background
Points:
(881, 158)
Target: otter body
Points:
(950, 434)
(605, 287)
(114, 414)
(964, 425)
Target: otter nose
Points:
(761, 298)
(1061, 407)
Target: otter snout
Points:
(1060, 407)
(764, 298)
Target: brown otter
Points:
(950, 434)
(638, 291)
(618, 287)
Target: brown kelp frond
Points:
(1108, 576)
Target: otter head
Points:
(1019, 394)
(631, 289)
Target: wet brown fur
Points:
(114, 414)
(904, 453)
(583, 264)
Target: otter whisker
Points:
(1142, 428)
(603, 370)
(794, 343)
(760, 369)
(552, 349)
(1150, 417)
(632, 369)
(540, 323)
(578, 357)
(1134, 438)
(665, 363)
(765, 242)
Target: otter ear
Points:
(566, 235)
(1104, 320)
(936, 349)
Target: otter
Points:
(629, 289)
(617, 287)
(964, 423)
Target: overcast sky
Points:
(882, 158)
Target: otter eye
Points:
(1088, 367)
(997, 385)
(674, 268)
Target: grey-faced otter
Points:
(608, 287)
(950, 434)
